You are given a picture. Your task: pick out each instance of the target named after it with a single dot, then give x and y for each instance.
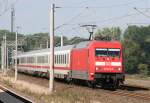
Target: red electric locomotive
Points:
(98, 62)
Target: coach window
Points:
(43, 59)
(14, 61)
(62, 59)
(22, 60)
(65, 58)
(39, 59)
(31, 59)
(46, 59)
(57, 58)
(27, 59)
(54, 59)
(17, 61)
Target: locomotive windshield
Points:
(114, 52)
(101, 52)
(107, 52)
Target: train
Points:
(95, 62)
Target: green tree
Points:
(143, 68)
(137, 48)
(76, 40)
(113, 33)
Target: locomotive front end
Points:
(108, 65)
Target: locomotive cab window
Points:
(101, 52)
(114, 52)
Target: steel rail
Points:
(132, 94)
(16, 95)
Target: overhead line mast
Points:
(51, 60)
(12, 19)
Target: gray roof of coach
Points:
(68, 47)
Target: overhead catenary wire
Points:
(103, 21)
(111, 19)
(68, 22)
(141, 12)
(109, 6)
(73, 18)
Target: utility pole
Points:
(12, 19)
(47, 43)
(5, 52)
(90, 29)
(16, 69)
(51, 69)
(2, 56)
(62, 42)
(7, 59)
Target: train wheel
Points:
(68, 80)
(115, 85)
(91, 84)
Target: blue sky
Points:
(33, 15)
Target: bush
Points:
(143, 69)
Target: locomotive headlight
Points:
(117, 69)
(97, 68)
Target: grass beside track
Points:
(64, 94)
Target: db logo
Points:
(108, 63)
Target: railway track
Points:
(132, 94)
(125, 90)
(128, 91)
(10, 96)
